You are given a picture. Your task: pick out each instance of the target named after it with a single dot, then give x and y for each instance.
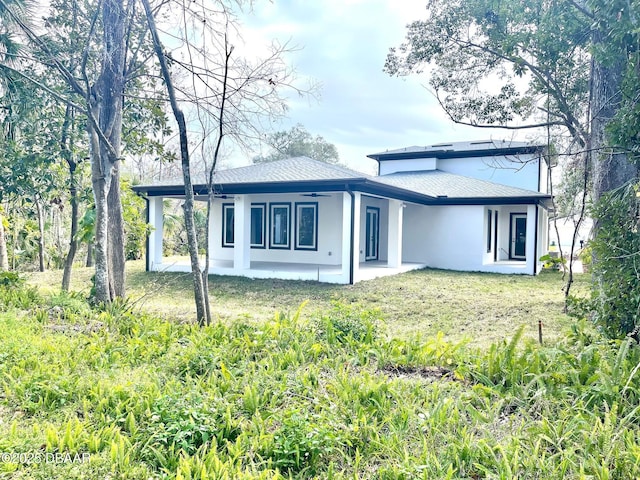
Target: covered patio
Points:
(290, 271)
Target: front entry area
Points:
(518, 234)
(372, 236)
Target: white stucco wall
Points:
(455, 238)
(443, 237)
(411, 165)
(521, 173)
(544, 177)
(329, 231)
(505, 170)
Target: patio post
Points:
(394, 234)
(212, 241)
(531, 238)
(154, 244)
(350, 236)
(242, 229)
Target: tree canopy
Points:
(298, 142)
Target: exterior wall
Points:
(444, 237)
(544, 177)
(455, 238)
(411, 165)
(329, 232)
(522, 173)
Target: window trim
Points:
(495, 237)
(263, 227)
(372, 256)
(272, 245)
(489, 229)
(298, 206)
(225, 226)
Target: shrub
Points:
(11, 279)
(344, 322)
(15, 293)
(615, 299)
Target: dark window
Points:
(258, 225)
(227, 224)
(280, 219)
(306, 226)
(489, 230)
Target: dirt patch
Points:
(431, 373)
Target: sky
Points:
(342, 45)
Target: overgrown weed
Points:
(331, 396)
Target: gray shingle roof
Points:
(431, 184)
(295, 169)
(436, 183)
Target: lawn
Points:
(480, 307)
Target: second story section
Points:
(516, 164)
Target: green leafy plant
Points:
(553, 262)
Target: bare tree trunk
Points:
(89, 262)
(116, 239)
(4, 257)
(201, 295)
(105, 107)
(40, 212)
(611, 169)
(100, 192)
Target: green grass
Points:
(303, 396)
(481, 307)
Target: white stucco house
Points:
(472, 206)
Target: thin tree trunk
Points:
(4, 257)
(201, 295)
(40, 212)
(210, 193)
(73, 241)
(89, 262)
(66, 144)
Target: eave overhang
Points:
(362, 185)
(452, 153)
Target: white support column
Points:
(394, 234)
(350, 238)
(211, 244)
(346, 236)
(154, 244)
(531, 238)
(357, 202)
(242, 232)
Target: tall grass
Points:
(327, 397)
